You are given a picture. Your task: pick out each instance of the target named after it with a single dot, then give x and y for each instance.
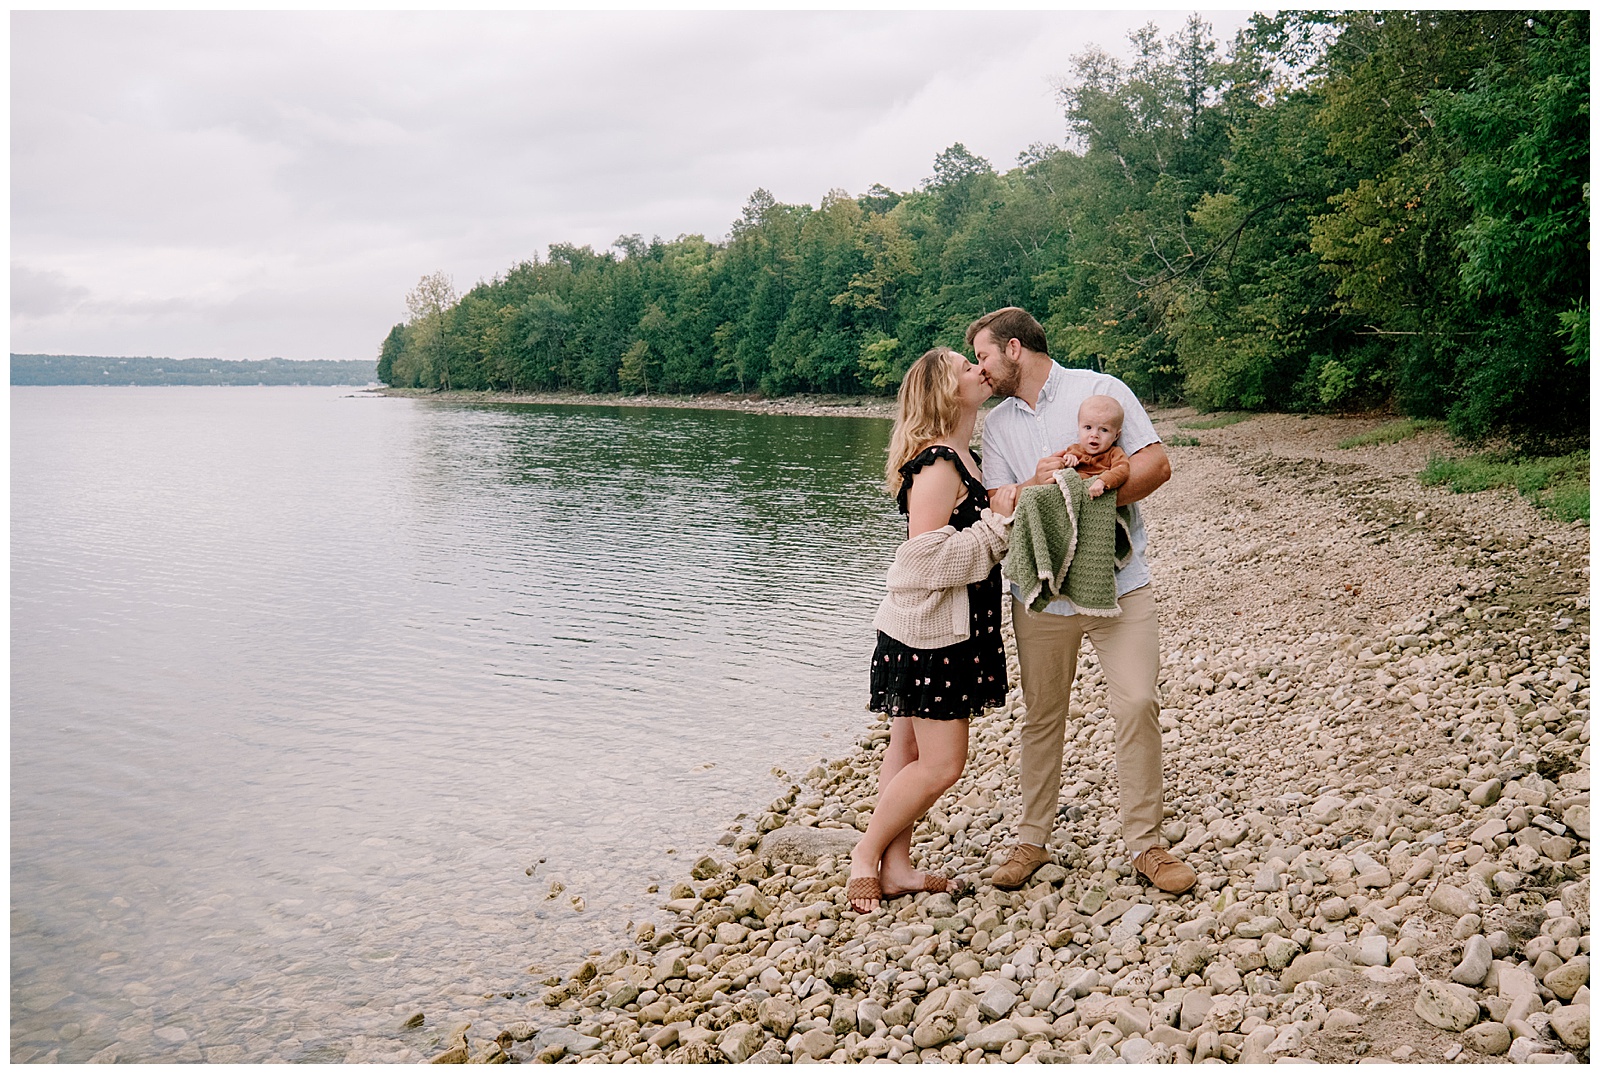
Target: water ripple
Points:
(303, 685)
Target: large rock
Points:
(1475, 960)
(1326, 809)
(1097, 1008)
(1453, 901)
(998, 1000)
(933, 1031)
(805, 846)
(568, 1039)
(668, 965)
(1194, 1008)
(740, 1041)
(1132, 923)
(817, 1043)
(1525, 1049)
(1083, 983)
(1372, 950)
(1034, 1027)
(1572, 1025)
(1487, 1038)
(1225, 1014)
(1512, 981)
(1312, 964)
(994, 1037)
(1445, 1005)
(624, 994)
(1279, 951)
(1136, 1051)
(1254, 1047)
(748, 901)
(1290, 1040)
(1191, 957)
(778, 1015)
(730, 933)
(1566, 979)
(1342, 1020)
(869, 1012)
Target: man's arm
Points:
(1148, 469)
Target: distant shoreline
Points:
(65, 370)
(852, 406)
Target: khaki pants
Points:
(1129, 648)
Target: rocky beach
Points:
(853, 406)
(1376, 728)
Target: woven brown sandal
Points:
(934, 882)
(861, 888)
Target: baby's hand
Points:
(1096, 487)
(1071, 460)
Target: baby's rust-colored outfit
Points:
(1110, 466)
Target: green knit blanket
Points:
(1065, 543)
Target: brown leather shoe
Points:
(1016, 869)
(1164, 871)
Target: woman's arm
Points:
(933, 497)
(948, 557)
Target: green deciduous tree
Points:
(1336, 210)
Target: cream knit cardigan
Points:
(927, 603)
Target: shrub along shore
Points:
(1375, 716)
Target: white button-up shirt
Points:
(1016, 436)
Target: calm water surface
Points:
(304, 682)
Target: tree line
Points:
(92, 369)
(1338, 211)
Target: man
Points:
(1024, 438)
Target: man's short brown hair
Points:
(1008, 324)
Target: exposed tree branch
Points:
(1206, 258)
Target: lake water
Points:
(303, 682)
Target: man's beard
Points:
(1009, 375)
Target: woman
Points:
(939, 659)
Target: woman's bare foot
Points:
(905, 881)
(864, 893)
(864, 897)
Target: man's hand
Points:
(1042, 474)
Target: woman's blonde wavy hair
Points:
(928, 410)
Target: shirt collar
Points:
(1047, 390)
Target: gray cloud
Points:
(43, 294)
(242, 184)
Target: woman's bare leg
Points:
(929, 758)
(901, 751)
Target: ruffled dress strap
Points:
(924, 459)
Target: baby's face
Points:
(1097, 431)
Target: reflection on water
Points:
(303, 684)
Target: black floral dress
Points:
(958, 681)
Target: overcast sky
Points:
(246, 185)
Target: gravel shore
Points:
(1375, 715)
(855, 406)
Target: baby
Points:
(1096, 454)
